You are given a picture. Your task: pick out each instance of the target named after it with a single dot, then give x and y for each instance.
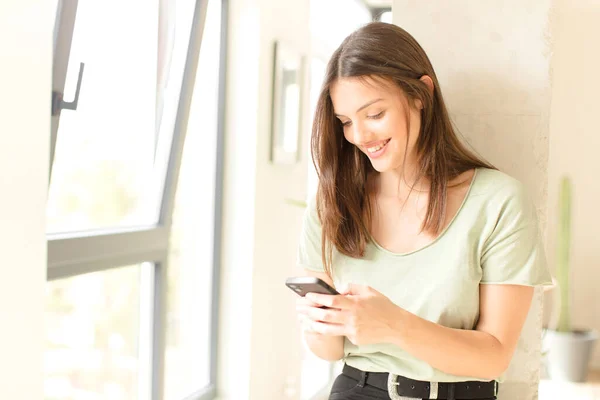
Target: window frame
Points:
(77, 253)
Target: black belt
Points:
(468, 390)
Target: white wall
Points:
(26, 59)
(235, 313)
(258, 331)
(574, 147)
(275, 339)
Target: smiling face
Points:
(374, 116)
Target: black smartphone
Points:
(308, 284)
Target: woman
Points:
(435, 253)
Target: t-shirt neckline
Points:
(442, 234)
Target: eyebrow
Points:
(362, 107)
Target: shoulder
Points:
(311, 215)
(311, 204)
(496, 185)
(501, 194)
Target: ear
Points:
(426, 79)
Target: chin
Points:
(381, 165)
(386, 165)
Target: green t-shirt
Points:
(494, 238)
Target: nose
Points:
(361, 135)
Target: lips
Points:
(377, 147)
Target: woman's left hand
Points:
(360, 313)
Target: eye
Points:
(376, 116)
(347, 123)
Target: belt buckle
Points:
(392, 387)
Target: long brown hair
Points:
(385, 51)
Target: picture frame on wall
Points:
(286, 110)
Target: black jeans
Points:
(347, 388)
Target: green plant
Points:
(563, 252)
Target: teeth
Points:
(377, 148)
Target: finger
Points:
(353, 289)
(328, 315)
(303, 307)
(344, 288)
(328, 300)
(309, 326)
(305, 310)
(303, 301)
(326, 329)
(305, 323)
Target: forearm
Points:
(330, 348)
(453, 351)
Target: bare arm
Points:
(366, 316)
(484, 352)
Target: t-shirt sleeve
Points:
(514, 251)
(309, 248)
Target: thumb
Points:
(353, 289)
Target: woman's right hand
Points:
(330, 348)
(327, 347)
(302, 306)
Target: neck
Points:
(398, 183)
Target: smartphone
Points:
(308, 284)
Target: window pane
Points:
(112, 152)
(93, 326)
(191, 258)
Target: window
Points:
(97, 334)
(190, 274)
(103, 174)
(131, 265)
